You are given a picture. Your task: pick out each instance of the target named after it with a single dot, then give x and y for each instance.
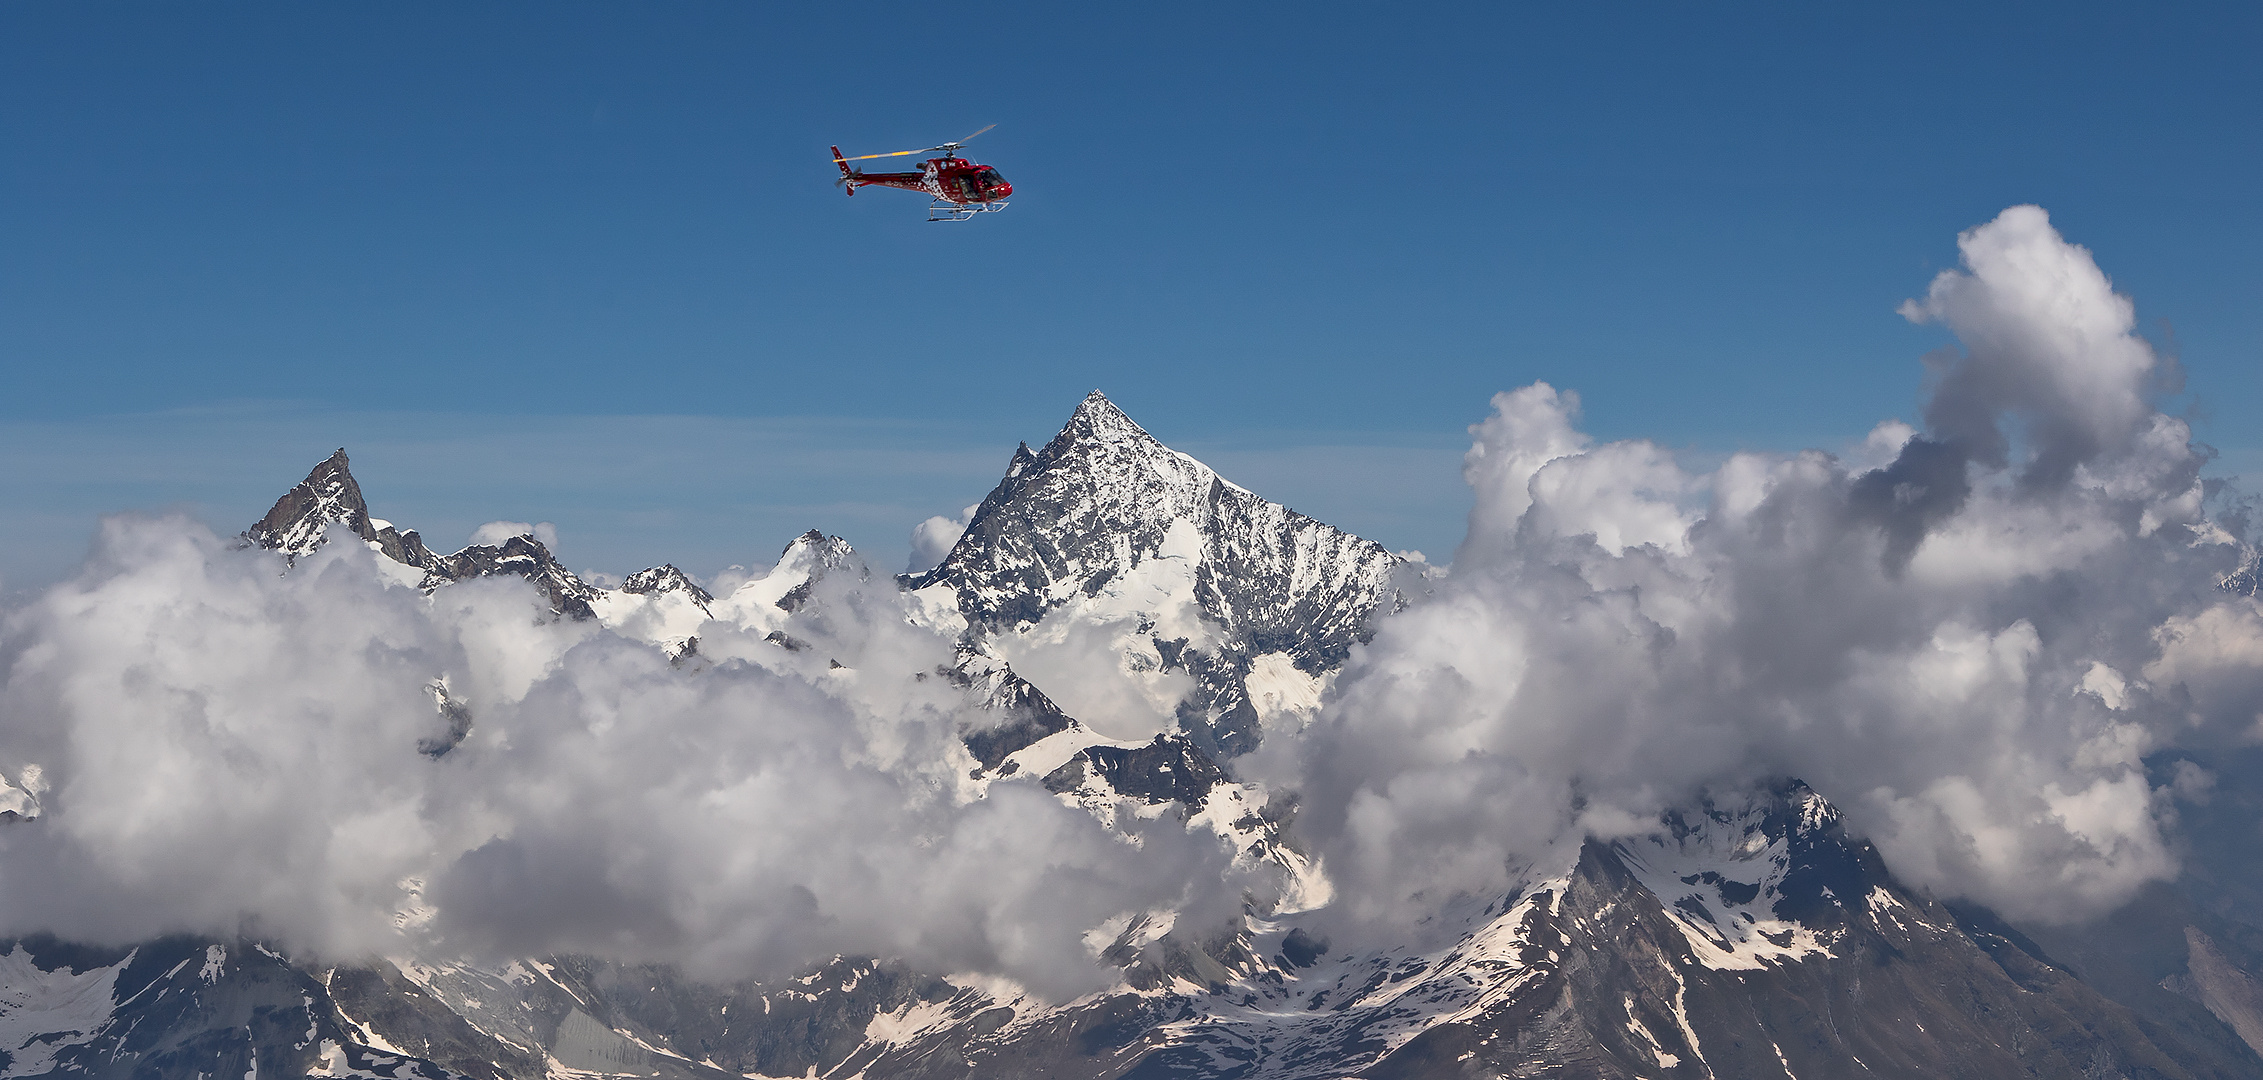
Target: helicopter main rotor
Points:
(949, 149)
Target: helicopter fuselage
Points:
(952, 179)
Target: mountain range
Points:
(1748, 934)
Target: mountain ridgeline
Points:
(329, 496)
(1746, 935)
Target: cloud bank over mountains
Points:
(237, 748)
(1974, 646)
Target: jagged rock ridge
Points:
(666, 579)
(297, 523)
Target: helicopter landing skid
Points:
(946, 210)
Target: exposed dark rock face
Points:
(523, 556)
(379, 998)
(1024, 714)
(330, 496)
(1161, 771)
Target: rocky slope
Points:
(178, 1007)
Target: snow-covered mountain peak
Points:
(1107, 534)
(810, 557)
(327, 496)
(666, 579)
(763, 602)
(1098, 419)
(330, 496)
(814, 549)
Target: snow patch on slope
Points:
(43, 1013)
(1284, 695)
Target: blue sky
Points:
(582, 263)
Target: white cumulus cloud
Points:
(933, 539)
(1914, 632)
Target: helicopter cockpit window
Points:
(989, 178)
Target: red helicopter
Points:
(961, 188)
